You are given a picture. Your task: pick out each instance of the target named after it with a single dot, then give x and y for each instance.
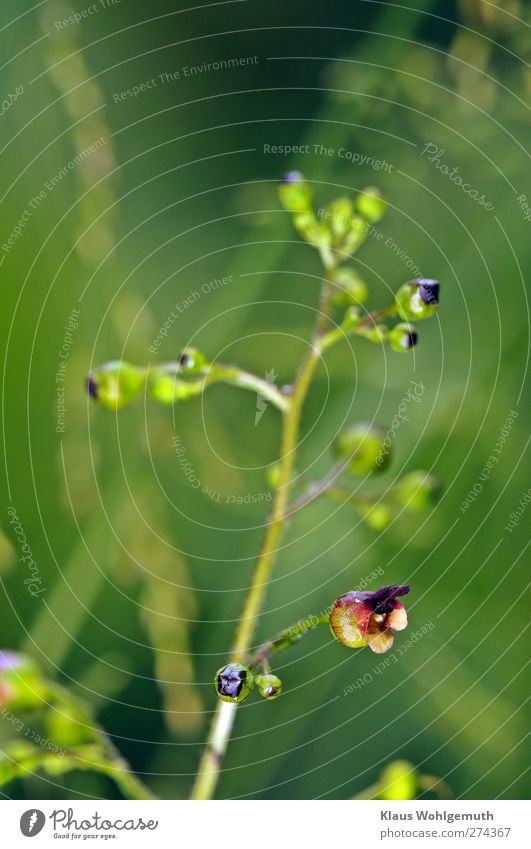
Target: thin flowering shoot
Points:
(117, 384)
(357, 619)
(362, 449)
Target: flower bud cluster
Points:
(366, 448)
(234, 683)
(339, 232)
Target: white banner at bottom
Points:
(262, 824)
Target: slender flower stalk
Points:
(285, 639)
(316, 489)
(117, 384)
(354, 324)
(245, 380)
(334, 493)
(221, 728)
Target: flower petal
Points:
(397, 619)
(380, 642)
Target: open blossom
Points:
(369, 618)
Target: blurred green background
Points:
(144, 574)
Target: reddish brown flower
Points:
(363, 618)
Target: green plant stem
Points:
(317, 488)
(364, 327)
(376, 315)
(286, 639)
(245, 380)
(337, 493)
(221, 373)
(129, 784)
(220, 731)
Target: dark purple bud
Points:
(402, 337)
(418, 299)
(92, 388)
(429, 291)
(233, 682)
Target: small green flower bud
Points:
(349, 288)
(273, 475)
(378, 517)
(269, 686)
(363, 445)
(294, 192)
(115, 384)
(339, 214)
(356, 234)
(193, 361)
(398, 782)
(371, 204)
(402, 337)
(233, 682)
(418, 299)
(418, 490)
(312, 230)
